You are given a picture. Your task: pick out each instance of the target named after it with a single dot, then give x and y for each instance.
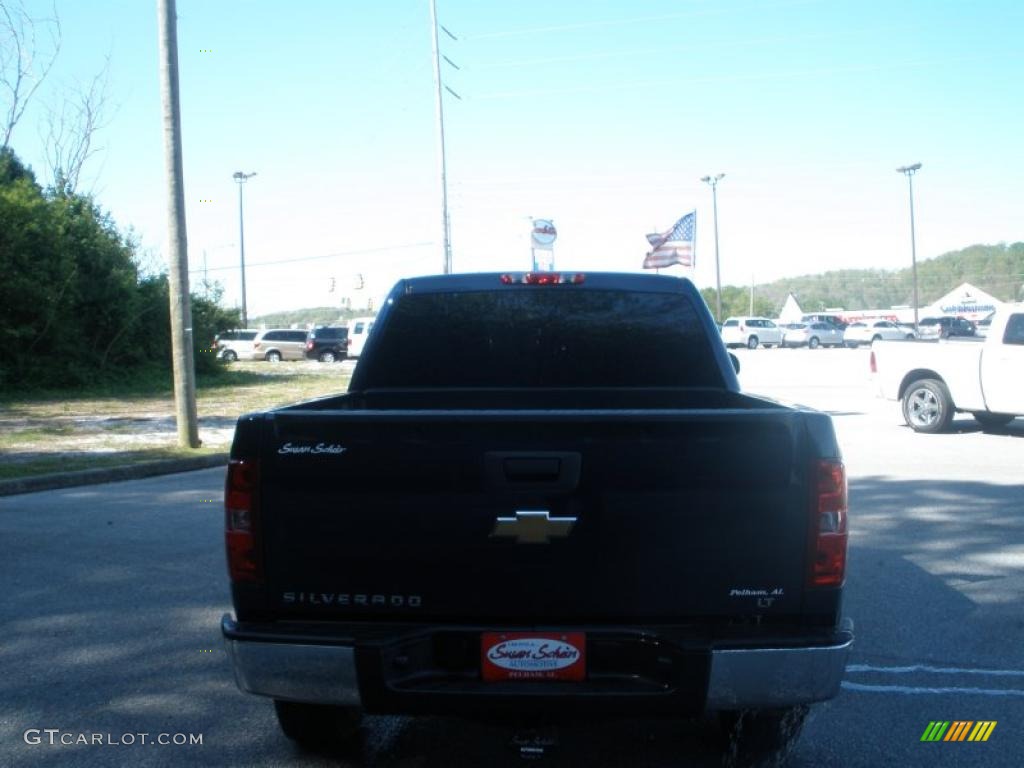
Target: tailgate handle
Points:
(533, 470)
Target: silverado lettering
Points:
(604, 411)
(345, 599)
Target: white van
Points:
(358, 330)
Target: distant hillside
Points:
(303, 317)
(997, 269)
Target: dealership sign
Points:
(544, 234)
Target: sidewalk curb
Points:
(110, 474)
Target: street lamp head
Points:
(712, 180)
(240, 177)
(908, 169)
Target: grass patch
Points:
(110, 425)
(46, 465)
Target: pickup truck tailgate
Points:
(654, 514)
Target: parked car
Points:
(327, 343)
(934, 381)
(749, 332)
(235, 344)
(277, 344)
(871, 331)
(824, 317)
(944, 327)
(813, 335)
(358, 330)
(484, 524)
(984, 324)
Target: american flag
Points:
(674, 246)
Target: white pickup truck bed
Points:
(934, 380)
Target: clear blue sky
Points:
(601, 116)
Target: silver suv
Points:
(232, 345)
(750, 331)
(277, 344)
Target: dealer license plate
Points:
(533, 656)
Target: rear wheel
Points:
(230, 355)
(761, 737)
(813, 342)
(875, 338)
(327, 356)
(319, 726)
(987, 419)
(752, 342)
(927, 406)
(273, 356)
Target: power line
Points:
(635, 20)
(325, 256)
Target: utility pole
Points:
(441, 165)
(177, 243)
(713, 182)
(909, 171)
(241, 178)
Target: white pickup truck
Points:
(933, 381)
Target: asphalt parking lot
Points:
(114, 593)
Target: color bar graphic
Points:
(958, 730)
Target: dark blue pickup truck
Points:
(545, 495)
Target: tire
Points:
(273, 356)
(327, 356)
(813, 342)
(852, 344)
(761, 737)
(987, 419)
(230, 355)
(910, 337)
(875, 338)
(752, 342)
(927, 406)
(319, 727)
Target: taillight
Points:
(309, 345)
(874, 363)
(544, 278)
(829, 509)
(241, 521)
(256, 345)
(743, 328)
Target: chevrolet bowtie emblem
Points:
(533, 527)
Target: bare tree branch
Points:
(23, 61)
(71, 127)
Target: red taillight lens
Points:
(309, 345)
(829, 510)
(241, 522)
(874, 363)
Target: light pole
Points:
(909, 171)
(241, 179)
(712, 181)
(446, 232)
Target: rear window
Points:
(328, 334)
(547, 337)
(730, 323)
(245, 335)
(1014, 330)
